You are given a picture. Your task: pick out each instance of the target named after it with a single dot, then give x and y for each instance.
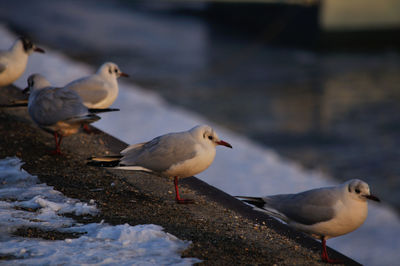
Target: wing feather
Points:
(51, 105)
(92, 90)
(160, 153)
(309, 207)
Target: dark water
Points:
(336, 111)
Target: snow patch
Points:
(25, 202)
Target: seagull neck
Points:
(36, 89)
(33, 93)
(18, 55)
(17, 48)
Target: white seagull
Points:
(59, 111)
(322, 213)
(13, 61)
(178, 155)
(100, 89)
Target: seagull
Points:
(178, 155)
(59, 111)
(322, 213)
(100, 89)
(13, 61)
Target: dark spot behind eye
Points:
(26, 43)
(110, 70)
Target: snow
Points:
(247, 169)
(100, 244)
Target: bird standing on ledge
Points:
(100, 89)
(178, 155)
(322, 213)
(59, 111)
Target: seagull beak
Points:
(223, 143)
(122, 74)
(39, 50)
(372, 197)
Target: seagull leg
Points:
(177, 197)
(87, 129)
(59, 144)
(324, 256)
(57, 151)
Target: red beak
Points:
(223, 143)
(122, 74)
(39, 50)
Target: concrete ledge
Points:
(223, 230)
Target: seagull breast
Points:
(205, 155)
(348, 216)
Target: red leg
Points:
(177, 197)
(57, 151)
(59, 144)
(87, 129)
(325, 256)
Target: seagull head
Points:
(359, 190)
(36, 82)
(29, 46)
(207, 135)
(111, 70)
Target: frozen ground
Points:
(24, 202)
(247, 169)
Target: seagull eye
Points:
(357, 191)
(116, 70)
(210, 137)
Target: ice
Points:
(100, 244)
(247, 169)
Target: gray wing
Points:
(162, 152)
(309, 207)
(52, 105)
(91, 90)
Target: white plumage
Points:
(13, 61)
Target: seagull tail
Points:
(258, 202)
(114, 161)
(106, 161)
(261, 205)
(86, 119)
(105, 110)
(92, 118)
